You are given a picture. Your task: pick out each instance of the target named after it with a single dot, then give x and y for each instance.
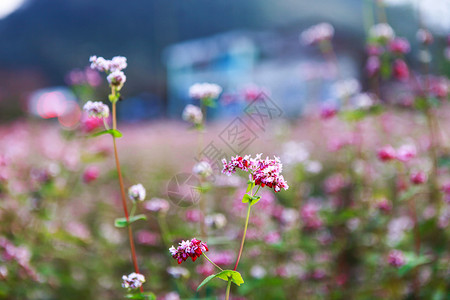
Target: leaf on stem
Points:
(122, 222)
(235, 277)
(251, 199)
(114, 132)
(412, 261)
(142, 296)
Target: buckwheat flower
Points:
(264, 172)
(399, 46)
(317, 34)
(406, 152)
(346, 88)
(374, 50)
(193, 249)
(193, 114)
(439, 87)
(202, 169)
(133, 281)
(205, 91)
(258, 272)
(384, 205)
(177, 272)
(418, 177)
(136, 192)
(382, 32)
(216, 221)
(118, 63)
(424, 36)
(362, 100)
(157, 205)
(90, 174)
(96, 109)
(400, 70)
(328, 110)
(387, 153)
(309, 214)
(117, 79)
(171, 296)
(253, 92)
(396, 258)
(99, 63)
(313, 166)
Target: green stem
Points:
(243, 237)
(227, 296)
(133, 209)
(212, 262)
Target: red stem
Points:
(124, 199)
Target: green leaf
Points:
(255, 200)
(412, 261)
(251, 199)
(206, 280)
(114, 98)
(113, 132)
(246, 198)
(235, 276)
(122, 222)
(137, 218)
(142, 296)
(250, 186)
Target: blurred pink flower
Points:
(193, 215)
(384, 205)
(424, 36)
(334, 183)
(387, 153)
(272, 237)
(309, 215)
(145, 237)
(157, 205)
(328, 111)
(396, 258)
(400, 70)
(406, 152)
(90, 174)
(317, 34)
(418, 177)
(399, 46)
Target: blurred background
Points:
(358, 118)
(170, 47)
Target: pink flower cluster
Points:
(193, 249)
(133, 281)
(383, 40)
(310, 216)
(404, 154)
(317, 34)
(262, 171)
(396, 258)
(117, 63)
